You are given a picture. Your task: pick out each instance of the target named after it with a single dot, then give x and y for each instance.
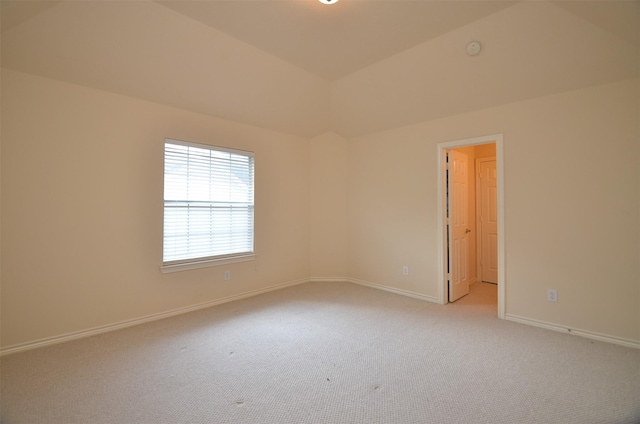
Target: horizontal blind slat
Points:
(208, 202)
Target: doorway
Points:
(461, 258)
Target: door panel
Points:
(458, 225)
(488, 220)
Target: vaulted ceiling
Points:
(298, 66)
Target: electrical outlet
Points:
(552, 295)
(227, 275)
(405, 270)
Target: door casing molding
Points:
(498, 139)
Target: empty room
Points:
(303, 211)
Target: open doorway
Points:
(471, 218)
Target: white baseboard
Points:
(393, 290)
(510, 317)
(137, 321)
(154, 317)
(329, 279)
(578, 332)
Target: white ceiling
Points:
(305, 68)
(335, 40)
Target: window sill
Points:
(207, 263)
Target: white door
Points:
(488, 209)
(458, 208)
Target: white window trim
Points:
(165, 269)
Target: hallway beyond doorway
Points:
(482, 299)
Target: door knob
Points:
(467, 231)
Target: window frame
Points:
(215, 260)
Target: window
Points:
(208, 205)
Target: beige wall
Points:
(328, 206)
(82, 209)
(571, 205)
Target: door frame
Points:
(442, 204)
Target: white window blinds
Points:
(208, 202)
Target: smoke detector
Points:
(473, 48)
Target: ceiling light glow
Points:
(328, 1)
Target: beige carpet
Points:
(327, 353)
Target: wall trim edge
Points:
(137, 321)
(179, 311)
(575, 331)
(329, 279)
(402, 292)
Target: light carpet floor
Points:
(326, 353)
